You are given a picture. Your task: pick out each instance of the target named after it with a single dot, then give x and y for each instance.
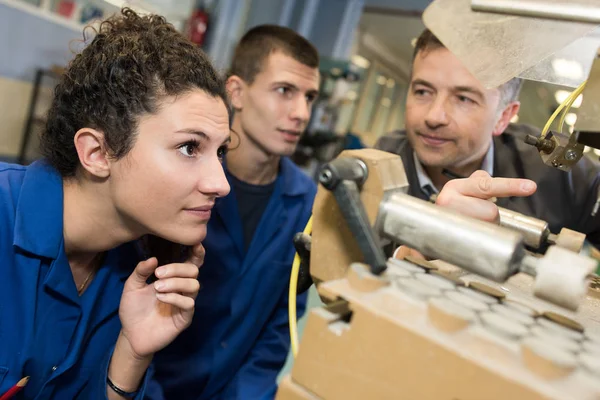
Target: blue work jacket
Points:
(239, 339)
(62, 341)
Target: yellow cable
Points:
(292, 294)
(551, 120)
(570, 100)
(559, 109)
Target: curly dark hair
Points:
(132, 63)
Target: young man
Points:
(239, 337)
(454, 123)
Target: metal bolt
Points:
(363, 171)
(544, 145)
(570, 155)
(531, 140)
(325, 177)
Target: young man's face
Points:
(275, 108)
(167, 184)
(450, 116)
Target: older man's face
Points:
(450, 116)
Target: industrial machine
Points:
(465, 328)
(487, 317)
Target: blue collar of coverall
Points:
(39, 219)
(287, 178)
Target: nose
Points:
(437, 115)
(300, 109)
(213, 181)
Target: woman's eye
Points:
(188, 149)
(222, 152)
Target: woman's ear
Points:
(92, 153)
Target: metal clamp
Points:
(557, 149)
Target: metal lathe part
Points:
(479, 247)
(535, 231)
(529, 265)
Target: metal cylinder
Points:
(535, 231)
(479, 247)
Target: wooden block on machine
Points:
(291, 391)
(422, 336)
(333, 246)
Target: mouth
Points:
(202, 212)
(431, 140)
(290, 135)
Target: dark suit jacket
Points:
(563, 199)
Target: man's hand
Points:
(153, 315)
(470, 196)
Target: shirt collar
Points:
(39, 217)
(427, 185)
(295, 182)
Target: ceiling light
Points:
(570, 119)
(360, 61)
(561, 96)
(570, 69)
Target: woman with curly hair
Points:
(133, 147)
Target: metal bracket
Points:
(557, 149)
(302, 244)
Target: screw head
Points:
(570, 155)
(325, 176)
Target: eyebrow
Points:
(314, 92)
(459, 89)
(194, 132)
(202, 135)
(421, 82)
